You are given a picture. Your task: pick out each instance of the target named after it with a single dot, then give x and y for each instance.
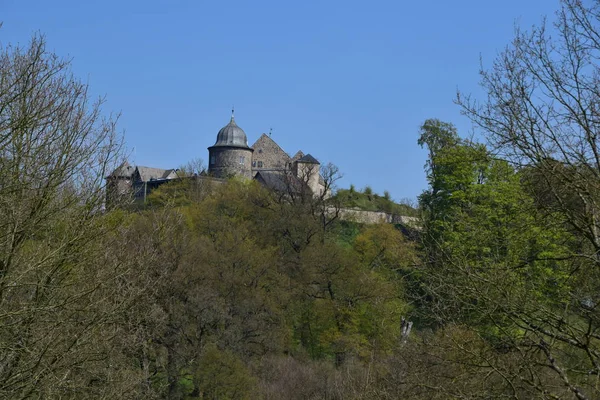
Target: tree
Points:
(56, 147)
(453, 167)
(495, 264)
(541, 113)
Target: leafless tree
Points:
(56, 147)
(194, 167)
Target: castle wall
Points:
(309, 174)
(268, 155)
(375, 217)
(227, 161)
(118, 190)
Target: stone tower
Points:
(230, 155)
(307, 170)
(119, 185)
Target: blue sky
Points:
(348, 81)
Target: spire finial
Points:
(270, 131)
(232, 112)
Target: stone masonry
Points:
(268, 155)
(230, 161)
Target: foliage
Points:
(228, 290)
(221, 375)
(540, 113)
(349, 198)
(57, 303)
(240, 273)
(495, 262)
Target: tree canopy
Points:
(231, 291)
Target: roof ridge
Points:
(271, 139)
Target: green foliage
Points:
(181, 192)
(346, 232)
(494, 261)
(221, 375)
(224, 290)
(383, 247)
(254, 275)
(337, 312)
(371, 202)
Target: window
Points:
(213, 160)
(253, 164)
(260, 164)
(242, 159)
(259, 151)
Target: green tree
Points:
(496, 263)
(541, 113)
(454, 169)
(221, 375)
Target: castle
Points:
(265, 161)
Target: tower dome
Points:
(230, 155)
(231, 135)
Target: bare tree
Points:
(56, 147)
(194, 167)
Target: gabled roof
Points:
(122, 171)
(265, 139)
(279, 180)
(170, 173)
(308, 159)
(298, 155)
(147, 174)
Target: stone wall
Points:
(229, 161)
(268, 155)
(309, 174)
(118, 190)
(375, 217)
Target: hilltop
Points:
(367, 200)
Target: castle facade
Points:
(265, 161)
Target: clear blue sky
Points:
(348, 81)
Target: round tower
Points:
(230, 155)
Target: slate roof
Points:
(308, 159)
(231, 135)
(123, 171)
(278, 180)
(147, 174)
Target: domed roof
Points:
(231, 135)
